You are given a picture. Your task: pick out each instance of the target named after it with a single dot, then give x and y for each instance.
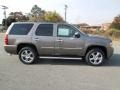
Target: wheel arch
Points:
(103, 48)
(21, 45)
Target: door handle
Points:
(72, 38)
(59, 40)
(36, 39)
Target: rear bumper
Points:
(12, 49)
(110, 51)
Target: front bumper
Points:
(110, 51)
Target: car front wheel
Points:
(95, 57)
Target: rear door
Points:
(44, 39)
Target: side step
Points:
(46, 57)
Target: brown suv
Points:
(30, 40)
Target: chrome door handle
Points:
(59, 40)
(72, 38)
(36, 39)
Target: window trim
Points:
(45, 24)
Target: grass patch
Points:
(111, 33)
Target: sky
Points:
(93, 12)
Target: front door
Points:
(66, 43)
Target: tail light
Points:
(6, 39)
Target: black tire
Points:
(31, 57)
(90, 54)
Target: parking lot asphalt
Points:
(49, 74)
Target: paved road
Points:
(58, 74)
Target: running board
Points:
(43, 57)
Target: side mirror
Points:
(77, 35)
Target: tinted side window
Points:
(20, 29)
(45, 30)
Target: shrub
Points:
(112, 33)
(116, 23)
(115, 33)
(101, 32)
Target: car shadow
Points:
(60, 62)
(113, 61)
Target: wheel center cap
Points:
(95, 58)
(28, 56)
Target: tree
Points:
(7, 22)
(36, 14)
(52, 17)
(18, 16)
(14, 17)
(116, 23)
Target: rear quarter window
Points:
(20, 29)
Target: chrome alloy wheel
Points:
(96, 58)
(27, 56)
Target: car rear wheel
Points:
(27, 55)
(95, 57)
